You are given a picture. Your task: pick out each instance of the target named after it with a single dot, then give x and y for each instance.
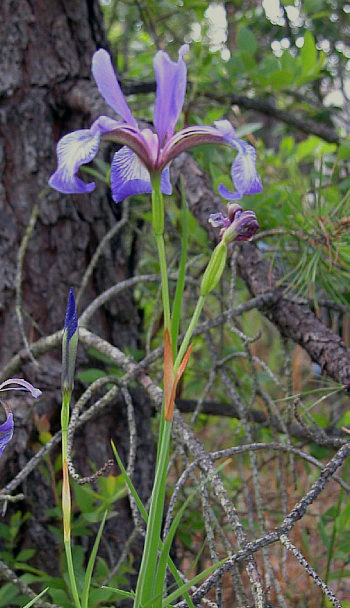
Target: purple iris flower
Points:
(145, 153)
(6, 429)
(238, 225)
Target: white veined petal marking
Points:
(129, 166)
(76, 149)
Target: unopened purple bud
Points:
(71, 320)
(245, 225)
(219, 220)
(69, 343)
(238, 225)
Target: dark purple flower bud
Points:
(238, 225)
(69, 343)
(71, 320)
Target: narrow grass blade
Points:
(130, 485)
(33, 601)
(177, 305)
(91, 563)
(121, 595)
(197, 579)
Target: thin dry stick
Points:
(210, 534)
(86, 396)
(311, 572)
(288, 523)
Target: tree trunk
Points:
(45, 61)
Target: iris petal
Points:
(243, 169)
(108, 86)
(171, 80)
(6, 432)
(73, 150)
(76, 149)
(129, 176)
(219, 220)
(20, 385)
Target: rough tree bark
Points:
(46, 49)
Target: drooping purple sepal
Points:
(76, 149)
(6, 429)
(130, 177)
(243, 169)
(6, 432)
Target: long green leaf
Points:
(145, 581)
(144, 515)
(91, 563)
(177, 305)
(164, 555)
(33, 601)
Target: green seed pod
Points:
(214, 269)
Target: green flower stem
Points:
(146, 579)
(66, 500)
(188, 335)
(158, 229)
(164, 278)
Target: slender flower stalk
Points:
(69, 351)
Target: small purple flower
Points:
(145, 153)
(238, 225)
(6, 429)
(69, 343)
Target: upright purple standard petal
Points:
(20, 385)
(171, 80)
(6, 432)
(108, 86)
(129, 176)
